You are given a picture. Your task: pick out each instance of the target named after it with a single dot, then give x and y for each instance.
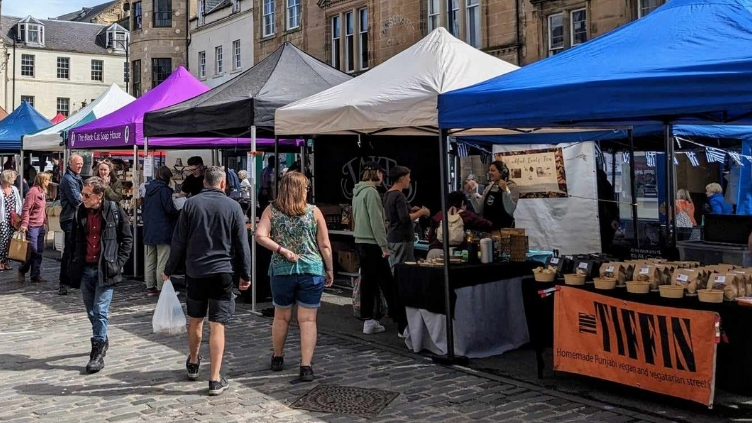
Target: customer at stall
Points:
(499, 200)
(684, 210)
(301, 266)
(160, 217)
(194, 183)
(33, 224)
(717, 202)
(244, 182)
(114, 186)
(373, 251)
(10, 208)
(70, 198)
(400, 232)
(472, 187)
(470, 222)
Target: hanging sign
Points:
(149, 167)
(537, 173)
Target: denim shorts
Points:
(305, 290)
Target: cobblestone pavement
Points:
(44, 344)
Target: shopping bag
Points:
(20, 248)
(168, 316)
(379, 307)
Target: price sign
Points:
(555, 260)
(682, 278)
(645, 271)
(583, 265)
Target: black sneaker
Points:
(191, 368)
(306, 374)
(216, 388)
(278, 363)
(63, 290)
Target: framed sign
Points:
(537, 173)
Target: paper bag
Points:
(20, 248)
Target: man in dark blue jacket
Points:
(70, 199)
(212, 240)
(160, 216)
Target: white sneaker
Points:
(404, 334)
(372, 326)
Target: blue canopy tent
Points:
(24, 120)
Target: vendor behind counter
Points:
(499, 200)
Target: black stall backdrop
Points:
(338, 164)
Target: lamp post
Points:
(111, 47)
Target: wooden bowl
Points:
(671, 291)
(544, 277)
(635, 287)
(605, 283)
(710, 295)
(574, 279)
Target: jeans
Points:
(97, 301)
(154, 263)
(35, 235)
(375, 273)
(67, 228)
(303, 290)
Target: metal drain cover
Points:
(347, 400)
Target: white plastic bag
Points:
(168, 316)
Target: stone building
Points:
(105, 13)
(159, 41)
(221, 40)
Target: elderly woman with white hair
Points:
(718, 204)
(244, 182)
(10, 209)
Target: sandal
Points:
(7, 266)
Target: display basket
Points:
(638, 287)
(574, 279)
(710, 295)
(605, 283)
(671, 291)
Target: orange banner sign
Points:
(667, 350)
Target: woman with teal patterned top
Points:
(301, 266)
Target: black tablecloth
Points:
(262, 282)
(734, 361)
(423, 287)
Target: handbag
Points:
(20, 248)
(15, 220)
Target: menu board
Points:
(537, 173)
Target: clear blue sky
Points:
(43, 9)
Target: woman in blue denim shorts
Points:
(301, 266)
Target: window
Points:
(555, 33)
(97, 70)
(162, 13)
(34, 34)
(336, 46)
(137, 21)
(349, 42)
(117, 38)
(218, 60)
(160, 70)
(63, 68)
(236, 63)
(363, 37)
(293, 14)
(202, 64)
(268, 19)
(472, 14)
(27, 65)
(433, 14)
(63, 106)
(578, 20)
(646, 6)
(201, 12)
(29, 99)
(235, 6)
(136, 78)
(453, 17)
(31, 31)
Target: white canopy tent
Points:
(397, 97)
(51, 139)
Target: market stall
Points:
(244, 107)
(22, 121)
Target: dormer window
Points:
(31, 32)
(117, 38)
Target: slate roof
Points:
(86, 14)
(76, 37)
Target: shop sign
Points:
(537, 173)
(115, 137)
(667, 350)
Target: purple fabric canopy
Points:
(124, 127)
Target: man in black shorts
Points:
(211, 239)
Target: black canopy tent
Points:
(245, 105)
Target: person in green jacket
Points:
(373, 251)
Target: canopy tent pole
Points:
(252, 178)
(450, 358)
(277, 173)
(20, 172)
(135, 206)
(313, 171)
(670, 182)
(633, 188)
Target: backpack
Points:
(456, 229)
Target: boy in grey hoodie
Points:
(373, 251)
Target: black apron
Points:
(493, 210)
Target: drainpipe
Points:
(518, 29)
(187, 33)
(14, 69)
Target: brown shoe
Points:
(21, 277)
(39, 279)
